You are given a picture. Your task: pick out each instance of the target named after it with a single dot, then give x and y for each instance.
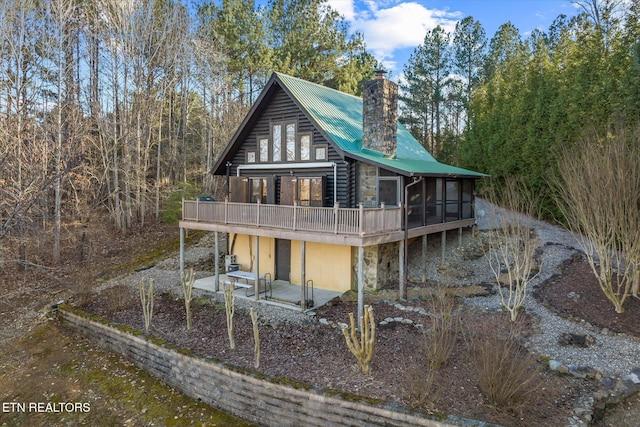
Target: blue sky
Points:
(392, 29)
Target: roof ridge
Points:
(307, 82)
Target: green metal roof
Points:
(339, 116)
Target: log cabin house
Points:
(327, 188)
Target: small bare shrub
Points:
(512, 245)
(118, 297)
(362, 349)
(436, 346)
(421, 379)
(256, 338)
(229, 305)
(507, 373)
(146, 299)
(83, 286)
(188, 279)
(439, 340)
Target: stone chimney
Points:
(380, 115)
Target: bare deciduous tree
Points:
(512, 243)
(598, 192)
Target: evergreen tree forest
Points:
(110, 106)
(511, 106)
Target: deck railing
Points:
(337, 220)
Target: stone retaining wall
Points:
(243, 393)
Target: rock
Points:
(575, 340)
(554, 365)
(626, 388)
(632, 377)
(578, 371)
(607, 383)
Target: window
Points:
(263, 148)
(305, 147)
(277, 143)
(389, 190)
(251, 157)
(321, 153)
(258, 190)
(452, 191)
(310, 191)
(290, 139)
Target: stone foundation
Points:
(381, 266)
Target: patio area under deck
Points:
(283, 294)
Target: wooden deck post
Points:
(181, 251)
(460, 237)
(258, 213)
(402, 280)
(424, 258)
(256, 268)
(360, 283)
(303, 275)
(217, 261)
(443, 244)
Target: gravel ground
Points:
(613, 355)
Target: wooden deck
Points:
(344, 226)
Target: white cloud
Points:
(388, 27)
(344, 8)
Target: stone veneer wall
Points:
(247, 395)
(380, 116)
(381, 265)
(367, 185)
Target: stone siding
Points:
(381, 266)
(367, 185)
(380, 116)
(241, 392)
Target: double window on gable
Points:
(285, 144)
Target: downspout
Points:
(403, 280)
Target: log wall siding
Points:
(262, 401)
(280, 108)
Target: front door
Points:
(283, 259)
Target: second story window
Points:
(305, 147)
(290, 141)
(263, 149)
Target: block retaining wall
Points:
(248, 395)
